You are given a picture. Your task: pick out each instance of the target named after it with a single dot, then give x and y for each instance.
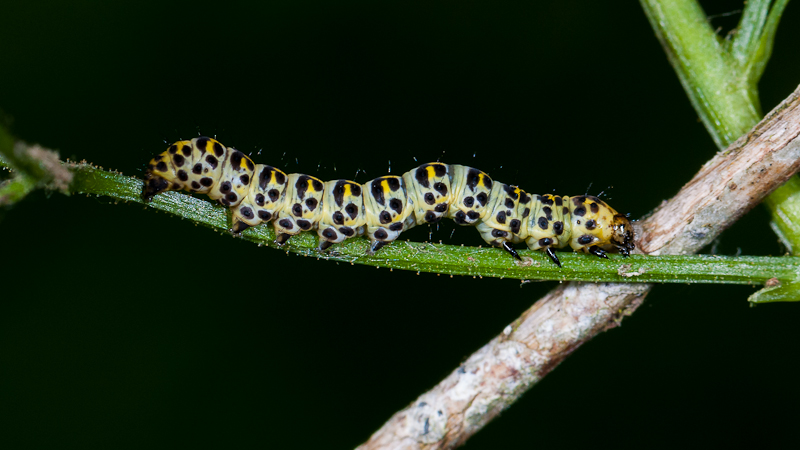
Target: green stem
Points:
(458, 260)
(14, 190)
(710, 75)
(33, 167)
(721, 77)
(784, 204)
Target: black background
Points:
(121, 327)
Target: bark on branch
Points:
(728, 185)
(494, 377)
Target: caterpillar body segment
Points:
(343, 214)
(234, 181)
(389, 210)
(303, 208)
(506, 222)
(195, 165)
(471, 190)
(263, 201)
(429, 191)
(547, 223)
(161, 173)
(384, 207)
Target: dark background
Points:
(108, 338)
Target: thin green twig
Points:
(457, 260)
(720, 77)
(32, 167)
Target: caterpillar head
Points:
(622, 237)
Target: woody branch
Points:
(496, 375)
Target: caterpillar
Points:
(384, 207)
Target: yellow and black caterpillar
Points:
(386, 206)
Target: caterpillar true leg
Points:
(597, 251)
(552, 254)
(507, 247)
